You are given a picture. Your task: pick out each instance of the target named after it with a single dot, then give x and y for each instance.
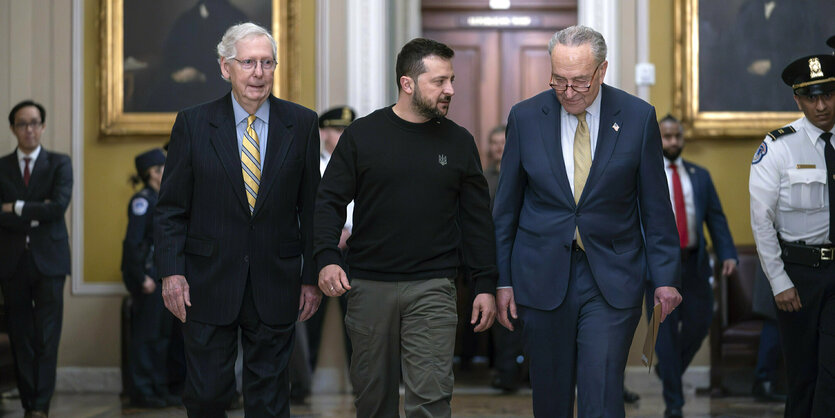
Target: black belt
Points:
(807, 255)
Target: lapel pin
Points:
(616, 127)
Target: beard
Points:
(426, 108)
(671, 154)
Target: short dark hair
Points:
(669, 118)
(23, 104)
(500, 129)
(410, 58)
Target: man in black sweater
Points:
(420, 196)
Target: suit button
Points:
(246, 259)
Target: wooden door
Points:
(501, 56)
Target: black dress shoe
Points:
(673, 413)
(763, 391)
(630, 396)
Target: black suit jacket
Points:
(46, 200)
(204, 231)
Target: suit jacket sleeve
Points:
(306, 202)
(660, 233)
(508, 201)
(717, 224)
(59, 197)
(174, 204)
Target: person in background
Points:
(35, 191)
(150, 322)
(792, 216)
(695, 205)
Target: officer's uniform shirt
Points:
(789, 196)
(324, 159)
(138, 245)
(687, 192)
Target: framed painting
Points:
(160, 56)
(729, 56)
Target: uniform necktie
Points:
(26, 173)
(829, 155)
(251, 163)
(582, 163)
(681, 212)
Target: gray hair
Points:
(226, 47)
(580, 35)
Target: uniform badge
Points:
(761, 151)
(139, 206)
(442, 159)
(815, 68)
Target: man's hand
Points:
(505, 302)
(148, 285)
(333, 281)
(728, 267)
(8, 207)
(176, 296)
(484, 304)
(309, 301)
(788, 300)
(669, 298)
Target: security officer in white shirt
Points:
(792, 187)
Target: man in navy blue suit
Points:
(233, 231)
(582, 214)
(695, 203)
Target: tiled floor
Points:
(471, 399)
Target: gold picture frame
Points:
(730, 121)
(115, 121)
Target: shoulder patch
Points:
(780, 132)
(138, 206)
(761, 151)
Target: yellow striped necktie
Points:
(251, 163)
(582, 162)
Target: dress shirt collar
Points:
(263, 112)
(679, 162)
(593, 111)
(34, 156)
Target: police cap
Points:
(149, 159)
(812, 75)
(338, 117)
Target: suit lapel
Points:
(696, 185)
(549, 126)
(607, 137)
(12, 167)
(278, 143)
(223, 137)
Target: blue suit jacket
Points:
(624, 215)
(709, 212)
(204, 231)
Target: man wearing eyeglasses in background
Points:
(35, 191)
(233, 233)
(582, 217)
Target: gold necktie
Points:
(582, 162)
(251, 163)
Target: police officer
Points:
(792, 187)
(150, 322)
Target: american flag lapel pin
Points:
(616, 127)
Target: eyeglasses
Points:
(249, 64)
(562, 86)
(22, 126)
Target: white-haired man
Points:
(234, 222)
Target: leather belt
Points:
(807, 255)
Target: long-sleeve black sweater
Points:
(420, 201)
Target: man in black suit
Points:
(233, 233)
(35, 190)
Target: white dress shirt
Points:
(568, 126)
(789, 197)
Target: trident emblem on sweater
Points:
(441, 159)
